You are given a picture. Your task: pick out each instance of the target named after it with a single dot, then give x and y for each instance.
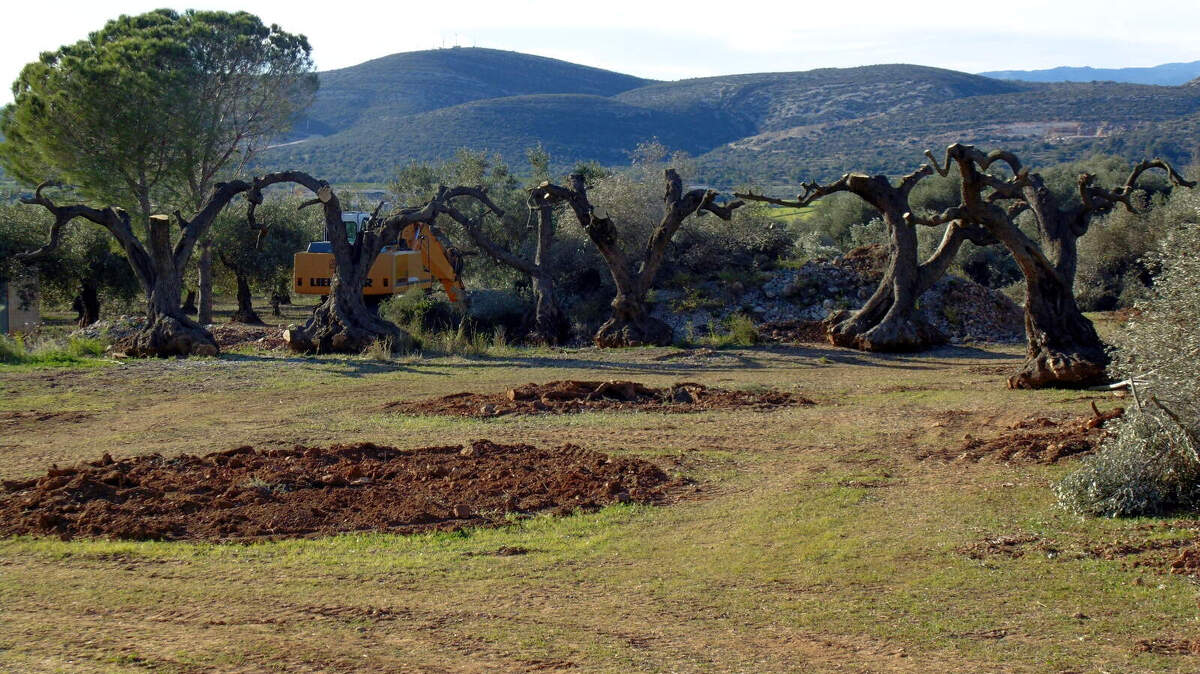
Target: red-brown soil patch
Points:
(11, 420)
(243, 494)
(794, 331)
(1011, 546)
(1038, 440)
(1168, 646)
(564, 397)
(233, 335)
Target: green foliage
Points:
(265, 261)
(145, 112)
(1143, 469)
(59, 352)
(1116, 264)
(738, 330)
(1151, 464)
(85, 256)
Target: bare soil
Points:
(233, 335)
(565, 397)
(242, 493)
(1033, 441)
(795, 331)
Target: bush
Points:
(1144, 468)
(73, 351)
(740, 331)
(1150, 463)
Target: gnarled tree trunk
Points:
(158, 265)
(888, 320)
(631, 323)
(245, 307)
(343, 323)
(1063, 349)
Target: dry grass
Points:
(818, 539)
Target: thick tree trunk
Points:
(245, 308)
(549, 323)
(1063, 349)
(204, 267)
(888, 321)
(632, 325)
(168, 331)
(344, 324)
(88, 303)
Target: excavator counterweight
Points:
(419, 258)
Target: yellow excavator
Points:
(419, 257)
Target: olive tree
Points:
(148, 115)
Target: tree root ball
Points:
(168, 336)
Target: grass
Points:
(818, 540)
(59, 352)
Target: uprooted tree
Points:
(888, 321)
(343, 323)
(631, 323)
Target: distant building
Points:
(19, 305)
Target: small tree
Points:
(259, 258)
(631, 323)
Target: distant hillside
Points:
(1168, 74)
(774, 101)
(1047, 123)
(414, 82)
(767, 129)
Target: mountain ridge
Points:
(756, 127)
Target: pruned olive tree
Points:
(888, 321)
(343, 323)
(1061, 225)
(506, 241)
(145, 116)
(1063, 348)
(631, 323)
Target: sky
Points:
(664, 40)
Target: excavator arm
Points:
(444, 263)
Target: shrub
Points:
(1150, 463)
(740, 331)
(1144, 468)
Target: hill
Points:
(415, 82)
(1167, 74)
(764, 128)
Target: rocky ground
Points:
(963, 310)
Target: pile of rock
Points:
(965, 311)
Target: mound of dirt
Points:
(564, 397)
(232, 335)
(1168, 646)
(1025, 445)
(242, 494)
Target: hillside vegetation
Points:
(770, 129)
